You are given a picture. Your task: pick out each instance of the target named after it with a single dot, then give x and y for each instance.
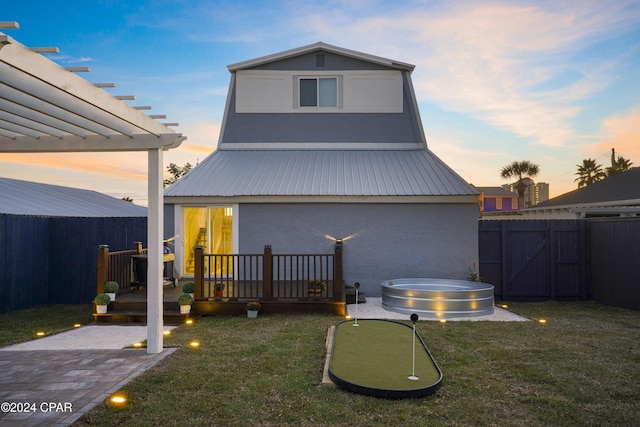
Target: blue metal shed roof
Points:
(36, 199)
(228, 173)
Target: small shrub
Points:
(185, 299)
(188, 287)
(102, 299)
(111, 287)
(254, 306)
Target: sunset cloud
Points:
(622, 132)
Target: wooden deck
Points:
(131, 307)
(282, 283)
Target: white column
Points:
(155, 224)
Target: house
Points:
(616, 196)
(497, 199)
(49, 237)
(322, 144)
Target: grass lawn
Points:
(23, 325)
(580, 368)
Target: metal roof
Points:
(35, 199)
(228, 173)
(497, 191)
(622, 189)
(324, 47)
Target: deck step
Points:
(170, 317)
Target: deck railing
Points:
(268, 277)
(117, 266)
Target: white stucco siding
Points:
(380, 241)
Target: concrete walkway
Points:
(54, 380)
(372, 309)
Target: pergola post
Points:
(155, 222)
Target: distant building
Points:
(534, 193)
(496, 199)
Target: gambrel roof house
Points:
(322, 143)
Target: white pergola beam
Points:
(70, 143)
(36, 95)
(40, 68)
(45, 49)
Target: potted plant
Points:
(101, 301)
(189, 288)
(316, 287)
(218, 288)
(111, 288)
(185, 301)
(252, 309)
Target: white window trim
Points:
(296, 93)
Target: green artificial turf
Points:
(378, 354)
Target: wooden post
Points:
(337, 272)
(103, 268)
(198, 273)
(267, 274)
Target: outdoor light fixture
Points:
(39, 334)
(194, 344)
(76, 325)
(166, 333)
(542, 321)
(357, 286)
(443, 320)
(413, 377)
(347, 317)
(137, 344)
(189, 322)
(118, 400)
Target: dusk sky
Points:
(550, 81)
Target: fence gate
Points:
(534, 259)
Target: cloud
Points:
(622, 132)
(489, 60)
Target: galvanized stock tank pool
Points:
(438, 298)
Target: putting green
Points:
(376, 358)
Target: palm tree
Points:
(589, 172)
(521, 171)
(619, 165)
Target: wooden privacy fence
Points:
(268, 276)
(615, 252)
(535, 260)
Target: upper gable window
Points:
(318, 92)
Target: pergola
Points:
(45, 108)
